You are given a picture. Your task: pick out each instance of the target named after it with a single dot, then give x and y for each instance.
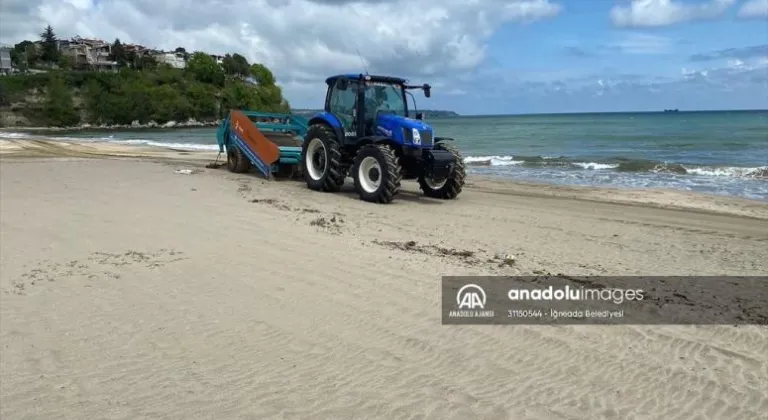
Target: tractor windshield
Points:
(384, 98)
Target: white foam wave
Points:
(493, 160)
(181, 146)
(596, 166)
(725, 171)
(12, 135)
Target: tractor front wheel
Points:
(237, 162)
(377, 173)
(321, 159)
(450, 187)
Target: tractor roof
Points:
(384, 79)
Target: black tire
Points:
(237, 162)
(455, 181)
(389, 176)
(332, 176)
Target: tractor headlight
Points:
(416, 136)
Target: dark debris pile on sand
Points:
(91, 267)
(465, 256)
(434, 250)
(332, 224)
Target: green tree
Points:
(235, 65)
(161, 94)
(168, 104)
(262, 75)
(202, 100)
(241, 65)
(66, 62)
(58, 105)
(31, 55)
(118, 53)
(50, 46)
(144, 62)
(204, 69)
(23, 53)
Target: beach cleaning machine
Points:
(270, 142)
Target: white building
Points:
(175, 60)
(5, 61)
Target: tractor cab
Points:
(376, 106)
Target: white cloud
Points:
(651, 13)
(754, 9)
(302, 41)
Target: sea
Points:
(722, 152)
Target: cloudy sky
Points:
(481, 56)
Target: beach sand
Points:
(131, 291)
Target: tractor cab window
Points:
(342, 102)
(384, 98)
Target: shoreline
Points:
(647, 197)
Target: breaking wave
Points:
(619, 165)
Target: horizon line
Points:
(674, 111)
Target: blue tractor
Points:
(366, 132)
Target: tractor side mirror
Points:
(427, 90)
(419, 115)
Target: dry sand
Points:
(130, 291)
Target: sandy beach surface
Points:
(139, 284)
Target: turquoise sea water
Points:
(714, 152)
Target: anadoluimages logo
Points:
(470, 300)
(471, 296)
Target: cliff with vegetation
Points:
(53, 91)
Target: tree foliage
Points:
(235, 65)
(160, 94)
(58, 106)
(49, 49)
(141, 91)
(204, 68)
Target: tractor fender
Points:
(331, 121)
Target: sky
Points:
(480, 56)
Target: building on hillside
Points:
(173, 59)
(89, 53)
(6, 67)
(137, 49)
(219, 58)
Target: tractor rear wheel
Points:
(237, 162)
(377, 173)
(450, 187)
(321, 159)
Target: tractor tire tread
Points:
(243, 164)
(334, 180)
(394, 174)
(455, 182)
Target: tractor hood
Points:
(409, 132)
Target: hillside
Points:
(154, 94)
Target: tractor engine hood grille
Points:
(391, 123)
